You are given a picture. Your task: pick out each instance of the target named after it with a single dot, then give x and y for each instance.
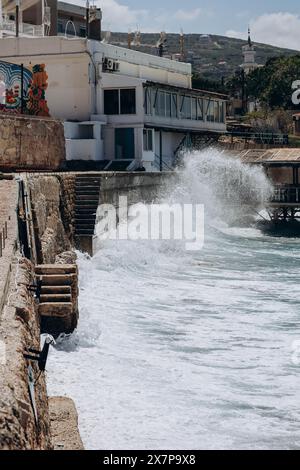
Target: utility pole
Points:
(17, 17)
(87, 19)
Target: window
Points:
(60, 27)
(186, 107)
(148, 140)
(120, 101)
(210, 111)
(82, 32)
(174, 113)
(222, 111)
(160, 104)
(216, 111)
(194, 109)
(168, 104)
(111, 101)
(200, 111)
(128, 101)
(148, 101)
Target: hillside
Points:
(211, 55)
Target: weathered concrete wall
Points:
(31, 143)
(48, 214)
(64, 424)
(67, 182)
(138, 187)
(19, 329)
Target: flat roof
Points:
(75, 9)
(276, 156)
(185, 90)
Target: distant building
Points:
(118, 105)
(296, 121)
(40, 18)
(249, 54)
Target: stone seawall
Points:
(25, 420)
(20, 329)
(31, 143)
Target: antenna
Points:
(129, 39)
(137, 38)
(181, 42)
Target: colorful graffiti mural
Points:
(34, 83)
(37, 103)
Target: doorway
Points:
(124, 144)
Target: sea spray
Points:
(186, 350)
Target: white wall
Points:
(69, 93)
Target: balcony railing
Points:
(286, 195)
(25, 29)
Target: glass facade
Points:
(163, 103)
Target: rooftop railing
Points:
(286, 195)
(25, 29)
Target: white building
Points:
(119, 105)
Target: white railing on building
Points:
(25, 29)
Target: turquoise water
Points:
(184, 350)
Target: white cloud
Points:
(188, 15)
(279, 29)
(119, 17)
(116, 16)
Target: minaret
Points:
(249, 54)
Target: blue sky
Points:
(272, 21)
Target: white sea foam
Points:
(189, 350)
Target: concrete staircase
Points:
(58, 308)
(87, 189)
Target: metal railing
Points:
(286, 194)
(261, 137)
(161, 164)
(3, 238)
(9, 26)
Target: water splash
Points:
(228, 188)
(185, 350)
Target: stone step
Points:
(85, 216)
(56, 269)
(80, 228)
(56, 309)
(86, 202)
(85, 191)
(56, 290)
(86, 210)
(88, 181)
(85, 232)
(46, 298)
(56, 279)
(88, 197)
